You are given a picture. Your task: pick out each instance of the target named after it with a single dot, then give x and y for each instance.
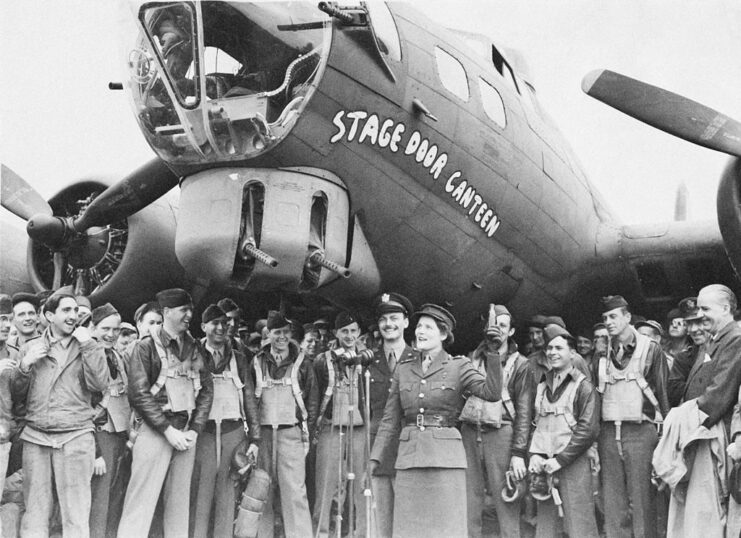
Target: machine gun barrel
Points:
(249, 249)
(318, 258)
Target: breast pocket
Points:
(408, 394)
(443, 385)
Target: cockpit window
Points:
(385, 29)
(215, 81)
(451, 73)
(493, 104)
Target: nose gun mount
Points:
(296, 222)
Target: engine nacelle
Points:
(729, 212)
(124, 263)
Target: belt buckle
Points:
(269, 383)
(421, 421)
(438, 420)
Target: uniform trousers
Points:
(156, 463)
(574, 486)
(489, 457)
(213, 486)
(327, 479)
(109, 489)
(70, 468)
(629, 496)
(383, 499)
(291, 477)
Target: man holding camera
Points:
(341, 412)
(495, 434)
(55, 378)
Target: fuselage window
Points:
(452, 74)
(493, 104)
(385, 29)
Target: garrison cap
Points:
(501, 310)
(554, 331)
(67, 291)
(260, 324)
(554, 320)
(673, 314)
(538, 321)
(211, 313)
(689, 309)
(388, 303)
(102, 312)
(611, 302)
(127, 327)
(438, 313)
(23, 297)
(227, 305)
(344, 319)
(599, 325)
(655, 325)
(276, 320)
(83, 301)
(6, 305)
(173, 298)
(43, 295)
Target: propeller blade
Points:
(19, 197)
(672, 113)
(133, 193)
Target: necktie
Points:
(217, 357)
(392, 361)
(426, 363)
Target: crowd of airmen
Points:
(140, 429)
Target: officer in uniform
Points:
(25, 318)
(632, 380)
(421, 413)
(392, 314)
(233, 415)
(680, 370)
(566, 425)
(112, 424)
(495, 434)
(288, 404)
(171, 389)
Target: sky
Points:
(59, 122)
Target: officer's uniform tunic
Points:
(421, 412)
(383, 477)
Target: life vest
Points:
(228, 397)
(554, 421)
(623, 389)
(116, 401)
(479, 411)
(341, 396)
(278, 398)
(182, 378)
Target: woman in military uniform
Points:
(425, 400)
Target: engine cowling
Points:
(125, 263)
(729, 212)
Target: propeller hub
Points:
(88, 249)
(47, 229)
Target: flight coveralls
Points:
(492, 433)
(335, 381)
(170, 384)
(566, 424)
(109, 489)
(421, 413)
(233, 416)
(381, 375)
(632, 380)
(288, 404)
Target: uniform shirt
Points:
(716, 375)
(520, 389)
(586, 414)
(436, 392)
(306, 379)
(144, 369)
(655, 371)
(248, 391)
(539, 367)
